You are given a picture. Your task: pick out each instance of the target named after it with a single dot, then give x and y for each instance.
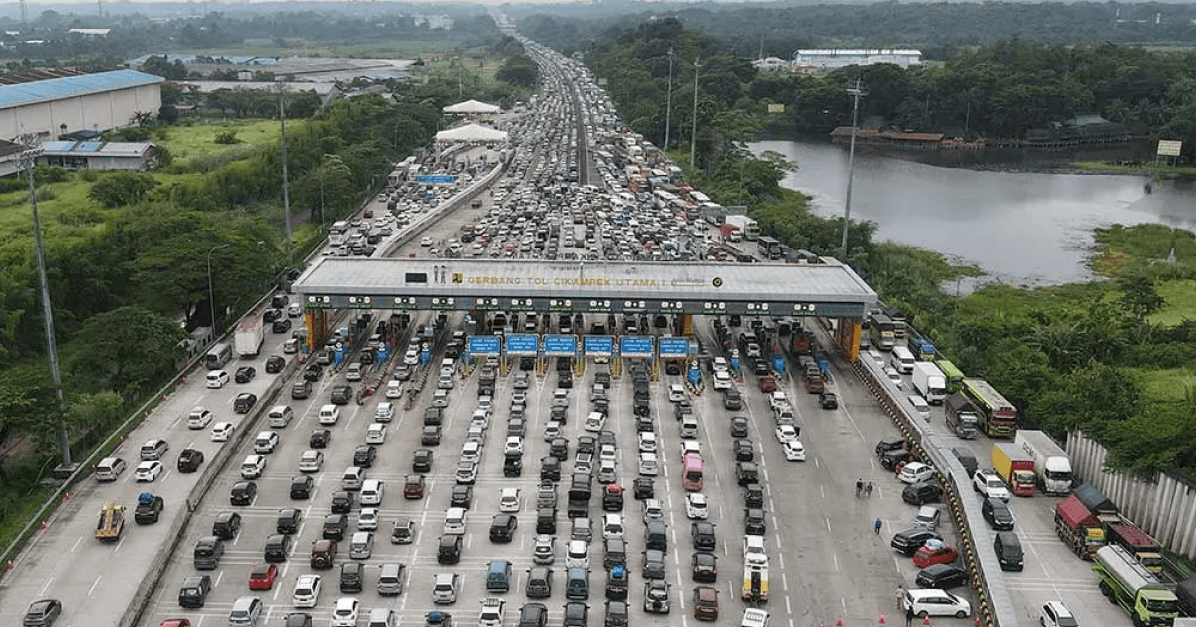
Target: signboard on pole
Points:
(637, 346)
(672, 347)
(597, 345)
(435, 178)
(486, 345)
(1169, 147)
(521, 345)
(560, 345)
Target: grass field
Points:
(186, 141)
(1180, 305)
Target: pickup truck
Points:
(583, 462)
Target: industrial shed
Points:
(95, 102)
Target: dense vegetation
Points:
(1092, 357)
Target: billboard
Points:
(672, 347)
(637, 346)
(597, 345)
(483, 344)
(559, 345)
(521, 345)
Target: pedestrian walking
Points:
(908, 616)
(858, 486)
(899, 596)
(878, 525)
(870, 488)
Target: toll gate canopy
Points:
(829, 289)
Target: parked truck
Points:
(1015, 468)
(961, 417)
(920, 346)
(929, 381)
(1078, 527)
(1050, 463)
(1148, 601)
(249, 336)
(1144, 549)
(999, 416)
(754, 582)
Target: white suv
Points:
(308, 587)
(991, 485)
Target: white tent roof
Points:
(472, 133)
(471, 106)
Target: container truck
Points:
(1050, 463)
(754, 583)
(999, 415)
(1148, 601)
(249, 336)
(1015, 468)
(929, 381)
(962, 417)
(1078, 527)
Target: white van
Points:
(328, 415)
(281, 416)
(902, 360)
(920, 404)
(109, 469)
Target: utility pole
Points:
(670, 72)
(29, 162)
(287, 208)
(857, 92)
(695, 107)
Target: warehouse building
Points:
(92, 102)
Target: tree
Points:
(1139, 295)
(125, 350)
(119, 189)
(518, 70)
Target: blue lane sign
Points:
(521, 345)
(672, 347)
(484, 344)
(597, 345)
(560, 345)
(435, 178)
(637, 346)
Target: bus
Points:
(954, 376)
(999, 415)
(693, 473)
(769, 247)
(882, 331)
(218, 356)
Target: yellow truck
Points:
(112, 522)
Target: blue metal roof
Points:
(72, 86)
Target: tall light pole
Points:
(287, 208)
(670, 75)
(695, 107)
(857, 92)
(212, 307)
(29, 162)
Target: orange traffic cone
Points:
(839, 621)
(882, 619)
(10, 565)
(925, 621)
(43, 525)
(976, 621)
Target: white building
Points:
(834, 58)
(92, 102)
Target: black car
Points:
(753, 495)
(909, 540)
(942, 576)
(671, 367)
(245, 374)
(998, 515)
(704, 567)
(645, 424)
(921, 493)
(889, 444)
(288, 520)
(341, 395)
(334, 527)
(319, 438)
(643, 488)
(301, 489)
(297, 619)
(565, 380)
(244, 402)
(431, 435)
(422, 460)
(351, 579)
(828, 400)
(42, 613)
(704, 535)
(301, 389)
(364, 455)
(761, 367)
(755, 521)
(606, 437)
(275, 364)
(460, 496)
(503, 526)
(602, 378)
(560, 448)
(189, 460)
(739, 427)
(227, 525)
(743, 450)
(341, 501)
(314, 370)
(271, 315)
(897, 458)
(243, 493)
(281, 325)
(277, 547)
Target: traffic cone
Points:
(66, 496)
(43, 525)
(882, 619)
(925, 621)
(839, 621)
(977, 621)
(10, 565)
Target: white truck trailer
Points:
(1050, 463)
(930, 381)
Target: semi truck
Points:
(999, 415)
(1148, 601)
(754, 582)
(745, 225)
(248, 338)
(929, 381)
(1078, 528)
(1050, 463)
(961, 417)
(1015, 468)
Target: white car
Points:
(697, 506)
(412, 358)
(991, 485)
(784, 433)
(376, 433)
(222, 431)
(689, 447)
(385, 411)
(148, 471)
(652, 509)
(510, 500)
(543, 549)
(514, 445)
(393, 390)
(647, 464)
(915, 472)
(553, 430)
(754, 550)
(345, 613)
(793, 451)
(427, 241)
(308, 588)
(779, 399)
(894, 377)
(518, 398)
(647, 442)
(934, 602)
(199, 418)
(722, 380)
(216, 379)
(577, 554)
(608, 453)
(253, 466)
(368, 518)
(594, 422)
(311, 461)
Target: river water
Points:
(1019, 227)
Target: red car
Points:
(262, 577)
(175, 622)
(926, 556)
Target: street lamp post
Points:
(857, 92)
(695, 107)
(212, 307)
(670, 76)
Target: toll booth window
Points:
(416, 277)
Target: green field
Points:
(186, 141)
(1180, 305)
